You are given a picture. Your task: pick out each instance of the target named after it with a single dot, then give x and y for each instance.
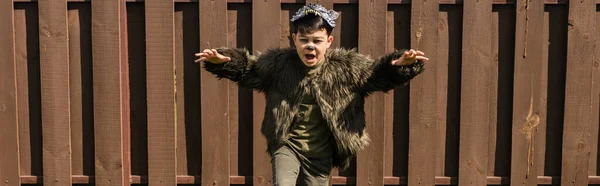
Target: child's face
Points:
(311, 47)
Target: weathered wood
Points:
(109, 90)
(578, 94)
(371, 41)
(160, 78)
(214, 98)
(475, 88)
(9, 135)
(265, 34)
(526, 96)
(423, 140)
(54, 65)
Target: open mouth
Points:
(309, 56)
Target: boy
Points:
(314, 117)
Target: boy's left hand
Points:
(409, 57)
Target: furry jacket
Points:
(339, 87)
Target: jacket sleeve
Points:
(385, 76)
(242, 68)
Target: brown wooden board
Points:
(160, 78)
(265, 34)
(493, 124)
(423, 135)
(442, 90)
(578, 96)
(397, 132)
(189, 142)
(108, 90)
(9, 135)
(28, 88)
(54, 65)
(526, 99)
(214, 98)
(80, 61)
(125, 93)
(240, 99)
(593, 169)
(137, 77)
(557, 16)
(501, 95)
(371, 41)
(477, 68)
(540, 151)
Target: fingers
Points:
(200, 59)
(423, 58)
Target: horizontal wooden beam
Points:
(336, 1)
(336, 180)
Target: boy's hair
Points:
(309, 24)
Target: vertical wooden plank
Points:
(526, 100)
(540, 155)
(54, 64)
(214, 98)
(9, 135)
(325, 3)
(28, 88)
(266, 30)
(475, 88)
(423, 96)
(372, 33)
(80, 61)
(578, 95)
(593, 169)
(240, 99)
(75, 91)
(493, 126)
(125, 92)
(160, 76)
(189, 150)
(442, 90)
(137, 77)
(109, 89)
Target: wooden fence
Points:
(105, 92)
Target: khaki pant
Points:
(291, 168)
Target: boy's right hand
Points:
(212, 56)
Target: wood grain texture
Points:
(578, 95)
(54, 65)
(372, 38)
(526, 96)
(214, 98)
(9, 135)
(109, 89)
(160, 77)
(423, 121)
(475, 87)
(266, 30)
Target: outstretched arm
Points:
(394, 69)
(234, 64)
